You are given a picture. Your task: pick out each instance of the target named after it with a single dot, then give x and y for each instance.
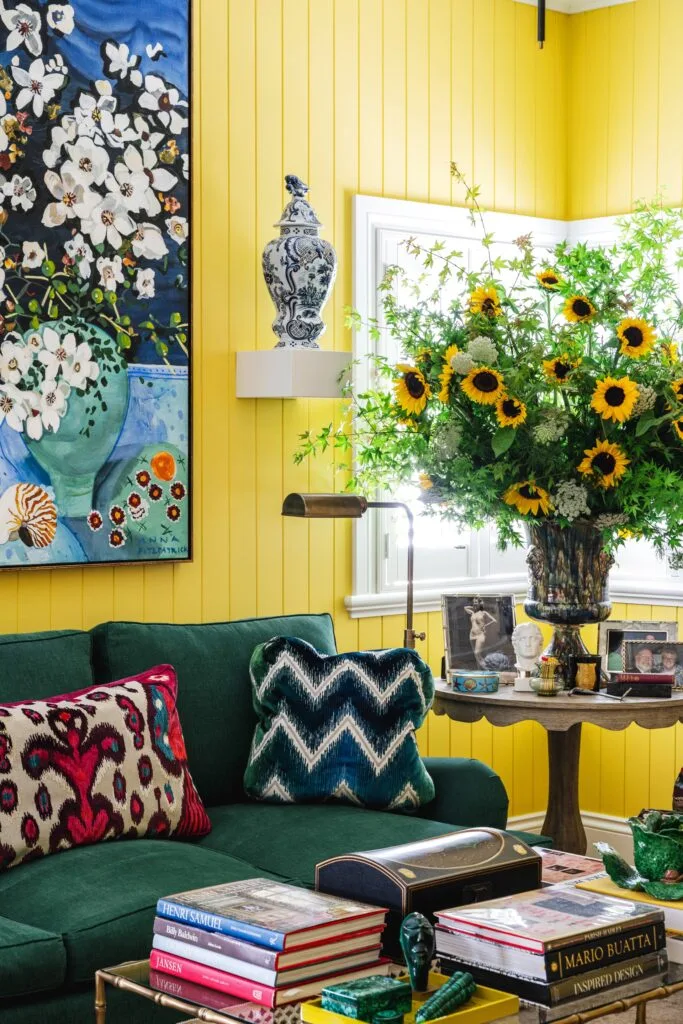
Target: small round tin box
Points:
(473, 682)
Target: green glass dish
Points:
(365, 998)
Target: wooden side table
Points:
(562, 717)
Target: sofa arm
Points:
(468, 793)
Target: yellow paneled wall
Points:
(375, 96)
(625, 141)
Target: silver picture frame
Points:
(495, 620)
(613, 633)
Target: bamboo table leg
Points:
(100, 1000)
(562, 819)
(641, 1014)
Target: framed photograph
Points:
(95, 302)
(478, 632)
(613, 633)
(660, 657)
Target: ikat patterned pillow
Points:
(338, 727)
(108, 762)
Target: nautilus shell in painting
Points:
(27, 514)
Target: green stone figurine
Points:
(417, 943)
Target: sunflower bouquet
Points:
(545, 388)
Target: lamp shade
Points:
(324, 506)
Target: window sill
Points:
(622, 588)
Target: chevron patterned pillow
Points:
(338, 727)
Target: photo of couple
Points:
(657, 657)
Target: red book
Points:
(232, 985)
(642, 677)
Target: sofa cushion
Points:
(214, 692)
(35, 665)
(338, 726)
(107, 762)
(292, 838)
(31, 960)
(101, 899)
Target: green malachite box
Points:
(462, 867)
(363, 998)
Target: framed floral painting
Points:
(95, 301)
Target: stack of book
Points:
(640, 684)
(266, 942)
(555, 946)
(672, 910)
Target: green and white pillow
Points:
(338, 727)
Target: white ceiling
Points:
(576, 6)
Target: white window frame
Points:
(373, 216)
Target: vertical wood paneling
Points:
(353, 95)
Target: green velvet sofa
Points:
(63, 917)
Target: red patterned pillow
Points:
(108, 762)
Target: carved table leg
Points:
(100, 1000)
(562, 819)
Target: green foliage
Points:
(418, 420)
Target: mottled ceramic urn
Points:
(299, 268)
(568, 583)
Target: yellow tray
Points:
(486, 1004)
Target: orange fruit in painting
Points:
(163, 466)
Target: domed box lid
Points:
(298, 212)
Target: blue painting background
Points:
(158, 413)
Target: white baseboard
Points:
(600, 828)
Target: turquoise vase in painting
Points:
(88, 421)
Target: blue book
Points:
(270, 914)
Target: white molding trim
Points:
(600, 828)
(576, 6)
(628, 590)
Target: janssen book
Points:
(270, 914)
(243, 988)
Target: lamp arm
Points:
(409, 634)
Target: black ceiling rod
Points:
(541, 24)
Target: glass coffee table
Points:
(134, 977)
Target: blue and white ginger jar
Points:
(299, 268)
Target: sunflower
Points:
(483, 385)
(615, 399)
(559, 368)
(527, 498)
(636, 337)
(411, 389)
(677, 388)
(678, 427)
(425, 481)
(607, 460)
(510, 412)
(578, 309)
(485, 301)
(446, 373)
(548, 279)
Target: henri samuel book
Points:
(270, 914)
(551, 933)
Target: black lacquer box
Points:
(448, 871)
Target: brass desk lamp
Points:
(353, 506)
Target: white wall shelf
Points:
(291, 373)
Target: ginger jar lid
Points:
(298, 213)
